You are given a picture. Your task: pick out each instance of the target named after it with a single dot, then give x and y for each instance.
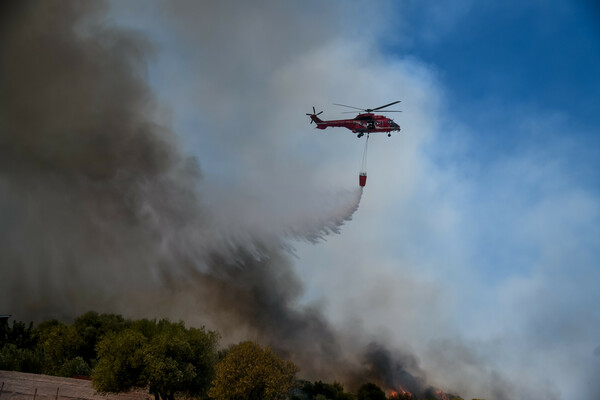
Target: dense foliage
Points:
(251, 372)
(320, 390)
(166, 357)
(370, 391)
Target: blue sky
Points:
(476, 242)
(500, 61)
(526, 52)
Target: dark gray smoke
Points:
(391, 369)
(100, 210)
(88, 174)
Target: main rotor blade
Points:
(354, 112)
(387, 105)
(343, 105)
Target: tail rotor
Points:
(314, 114)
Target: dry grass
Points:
(22, 386)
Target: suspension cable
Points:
(363, 167)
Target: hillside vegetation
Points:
(167, 358)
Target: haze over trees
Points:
(167, 358)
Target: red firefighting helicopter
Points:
(366, 122)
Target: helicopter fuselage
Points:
(361, 124)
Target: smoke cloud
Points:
(100, 208)
(95, 188)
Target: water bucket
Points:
(362, 178)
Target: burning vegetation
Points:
(401, 394)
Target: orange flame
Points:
(400, 394)
(441, 395)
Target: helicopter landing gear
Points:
(389, 135)
(360, 135)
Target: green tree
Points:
(180, 360)
(21, 335)
(370, 391)
(251, 372)
(120, 366)
(164, 356)
(91, 327)
(334, 391)
(75, 366)
(13, 358)
(18, 348)
(59, 343)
